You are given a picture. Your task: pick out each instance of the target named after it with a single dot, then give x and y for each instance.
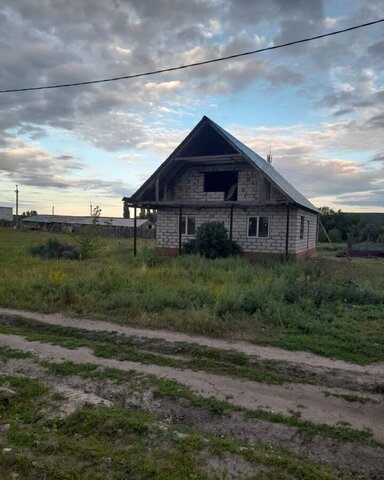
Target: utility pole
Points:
(90, 209)
(53, 209)
(17, 206)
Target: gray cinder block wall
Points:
(190, 187)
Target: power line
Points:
(196, 64)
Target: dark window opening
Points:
(222, 182)
(301, 228)
(263, 226)
(252, 227)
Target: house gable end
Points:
(206, 142)
(210, 142)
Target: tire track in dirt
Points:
(263, 352)
(310, 400)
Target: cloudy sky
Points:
(319, 105)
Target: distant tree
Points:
(370, 233)
(89, 236)
(126, 212)
(335, 235)
(28, 213)
(381, 235)
(326, 211)
(345, 224)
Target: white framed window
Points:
(188, 225)
(258, 227)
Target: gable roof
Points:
(253, 158)
(266, 168)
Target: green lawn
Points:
(325, 305)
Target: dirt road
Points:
(319, 400)
(264, 352)
(315, 403)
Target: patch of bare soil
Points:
(263, 352)
(363, 460)
(315, 403)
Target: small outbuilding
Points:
(212, 176)
(114, 227)
(6, 216)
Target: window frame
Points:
(185, 233)
(257, 225)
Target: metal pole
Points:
(180, 223)
(134, 232)
(230, 229)
(17, 206)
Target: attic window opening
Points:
(222, 182)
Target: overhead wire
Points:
(195, 64)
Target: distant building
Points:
(110, 226)
(6, 216)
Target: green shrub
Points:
(251, 302)
(53, 249)
(189, 248)
(211, 241)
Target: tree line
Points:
(339, 226)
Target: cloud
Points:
(31, 165)
(339, 80)
(60, 43)
(299, 155)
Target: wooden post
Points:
(180, 222)
(230, 229)
(287, 236)
(134, 231)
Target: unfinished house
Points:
(213, 177)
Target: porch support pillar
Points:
(180, 223)
(134, 231)
(230, 229)
(287, 236)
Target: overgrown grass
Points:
(119, 443)
(324, 305)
